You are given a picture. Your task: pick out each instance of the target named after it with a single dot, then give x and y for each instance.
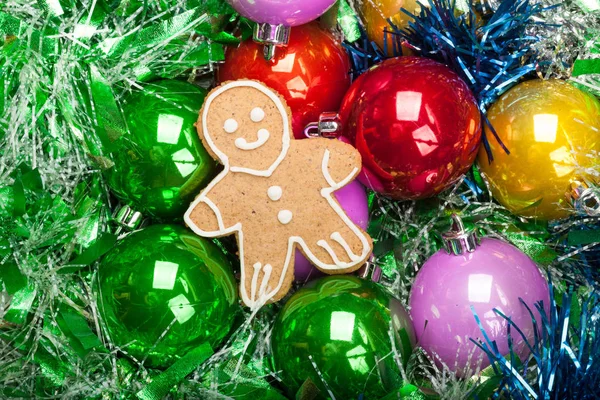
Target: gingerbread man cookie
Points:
(275, 193)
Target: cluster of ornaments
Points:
(242, 161)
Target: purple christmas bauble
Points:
(495, 275)
(285, 12)
(353, 199)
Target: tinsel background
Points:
(64, 67)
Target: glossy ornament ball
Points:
(161, 164)
(551, 130)
(416, 125)
(284, 12)
(376, 13)
(354, 201)
(495, 275)
(341, 323)
(166, 279)
(311, 73)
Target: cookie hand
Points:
(338, 248)
(204, 218)
(340, 163)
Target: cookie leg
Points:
(268, 269)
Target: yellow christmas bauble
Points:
(552, 131)
(375, 14)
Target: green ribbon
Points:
(20, 305)
(162, 384)
(534, 247)
(348, 22)
(90, 255)
(408, 392)
(156, 34)
(11, 277)
(38, 42)
(585, 67)
(588, 6)
(111, 123)
(78, 332)
(581, 238)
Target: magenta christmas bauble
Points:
(285, 12)
(449, 287)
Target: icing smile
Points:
(263, 136)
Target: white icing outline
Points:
(263, 294)
(267, 270)
(216, 210)
(257, 267)
(222, 157)
(337, 237)
(262, 137)
(329, 249)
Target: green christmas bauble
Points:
(164, 290)
(342, 324)
(161, 165)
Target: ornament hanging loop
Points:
(585, 197)
(459, 240)
(271, 36)
(329, 126)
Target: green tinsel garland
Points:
(64, 65)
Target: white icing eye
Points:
(230, 126)
(257, 114)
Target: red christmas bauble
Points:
(416, 125)
(311, 73)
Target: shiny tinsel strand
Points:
(487, 55)
(50, 162)
(562, 364)
(55, 206)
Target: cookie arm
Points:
(341, 164)
(204, 218)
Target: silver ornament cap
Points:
(271, 36)
(460, 240)
(585, 197)
(329, 126)
(127, 219)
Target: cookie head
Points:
(246, 126)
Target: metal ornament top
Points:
(329, 126)
(585, 197)
(459, 240)
(271, 36)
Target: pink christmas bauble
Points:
(285, 12)
(495, 275)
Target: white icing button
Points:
(257, 114)
(230, 126)
(275, 193)
(284, 216)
